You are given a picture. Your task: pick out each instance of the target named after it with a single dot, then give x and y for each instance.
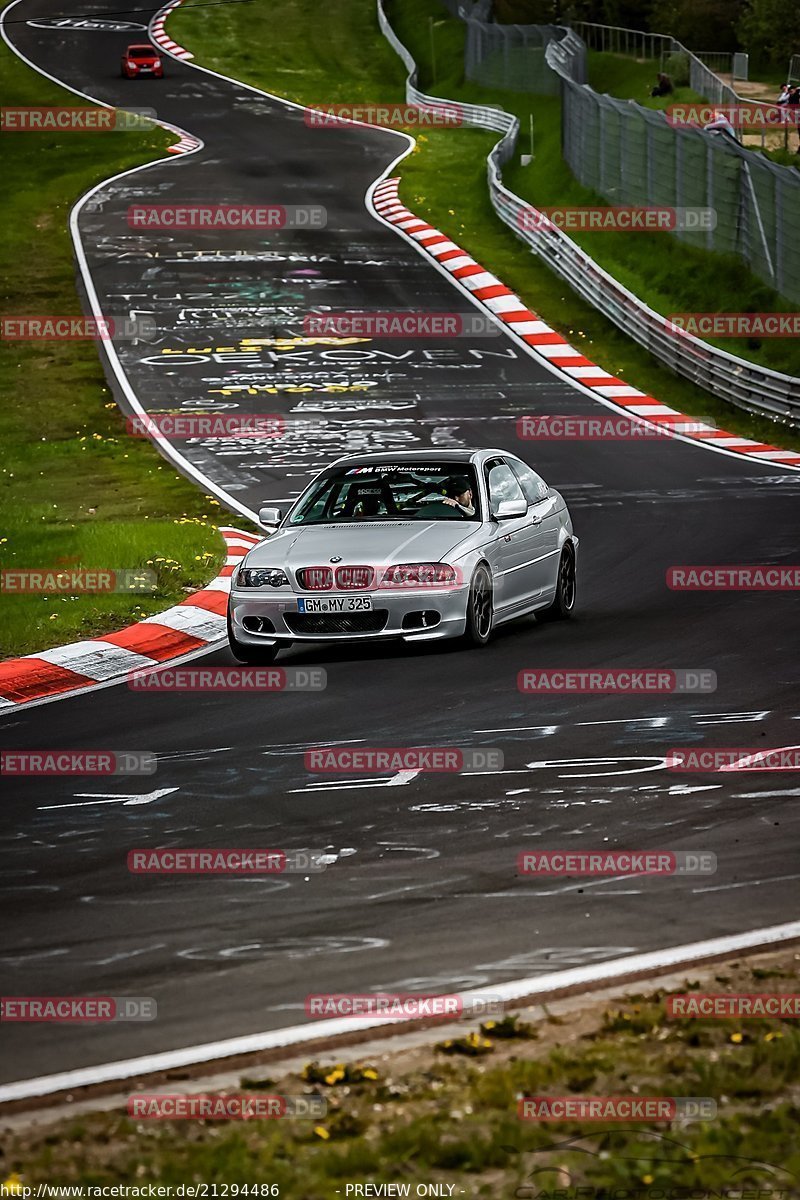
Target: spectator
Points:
(720, 124)
(793, 111)
(663, 86)
(784, 93)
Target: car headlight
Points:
(248, 577)
(431, 574)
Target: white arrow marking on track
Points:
(679, 789)
(750, 762)
(341, 785)
(114, 798)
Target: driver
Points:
(459, 495)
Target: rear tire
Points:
(480, 609)
(563, 604)
(254, 656)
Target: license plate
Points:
(334, 604)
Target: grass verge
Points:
(631, 79)
(669, 276)
(76, 490)
(240, 41)
(447, 1114)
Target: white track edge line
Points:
(167, 450)
(558, 372)
(596, 975)
(46, 1085)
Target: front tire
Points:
(254, 656)
(563, 604)
(480, 609)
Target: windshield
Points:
(141, 52)
(391, 492)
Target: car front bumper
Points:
(415, 614)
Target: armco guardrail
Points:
(735, 380)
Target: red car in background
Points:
(141, 60)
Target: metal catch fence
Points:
(747, 385)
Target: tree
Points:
(768, 31)
(699, 24)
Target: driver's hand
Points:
(448, 500)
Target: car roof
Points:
(462, 454)
(142, 46)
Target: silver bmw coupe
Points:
(416, 546)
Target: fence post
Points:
(710, 185)
(757, 212)
(779, 234)
(601, 129)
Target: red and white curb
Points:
(162, 38)
(186, 141)
(508, 308)
(197, 622)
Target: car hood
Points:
(365, 542)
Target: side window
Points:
(503, 485)
(533, 485)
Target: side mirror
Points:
(507, 509)
(270, 516)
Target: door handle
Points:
(536, 520)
